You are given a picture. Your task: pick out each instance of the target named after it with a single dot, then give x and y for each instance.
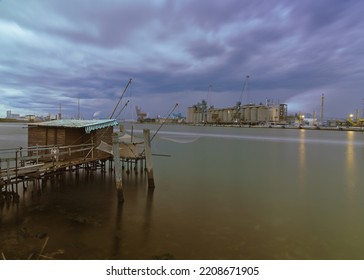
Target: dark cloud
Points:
(56, 52)
(203, 49)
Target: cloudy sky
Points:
(54, 53)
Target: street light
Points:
(301, 118)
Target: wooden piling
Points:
(141, 165)
(1, 195)
(148, 158)
(118, 169)
(136, 166)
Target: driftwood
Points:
(35, 255)
(44, 245)
(46, 257)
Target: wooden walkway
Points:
(37, 164)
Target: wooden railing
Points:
(22, 160)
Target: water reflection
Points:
(221, 197)
(350, 165)
(118, 236)
(137, 208)
(302, 158)
(148, 210)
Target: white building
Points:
(246, 114)
(10, 115)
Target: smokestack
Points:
(322, 109)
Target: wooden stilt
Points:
(127, 166)
(141, 165)
(136, 166)
(1, 195)
(118, 171)
(148, 158)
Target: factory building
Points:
(241, 114)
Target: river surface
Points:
(222, 193)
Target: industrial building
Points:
(251, 114)
(10, 115)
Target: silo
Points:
(191, 115)
(262, 114)
(274, 113)
(229, 115)
(246, 114)
(223, 115)
(253, 114)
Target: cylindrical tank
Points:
(253, 114)
(262, 114)
(246, 116)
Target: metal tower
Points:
(322, 109)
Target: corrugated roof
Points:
(88, 125)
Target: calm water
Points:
(224, 193)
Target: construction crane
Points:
(237, 115)
(245, 88)
(117, 104)
(141, 115)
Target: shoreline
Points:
(278, 126)
(318, 128)
(5, 120)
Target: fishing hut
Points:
(78, 137)
(60, 145)
(54, 147)
(71, 132)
